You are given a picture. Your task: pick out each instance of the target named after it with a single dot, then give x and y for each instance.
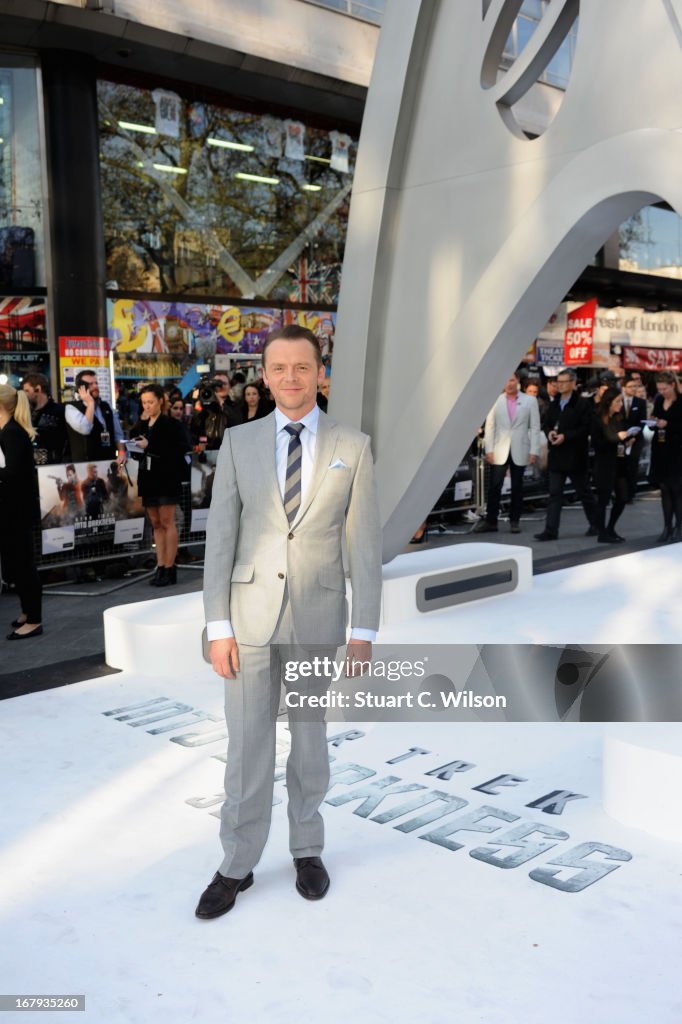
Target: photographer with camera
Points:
(217, 414)
(93, 426)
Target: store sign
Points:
(579, 335)
(85, 353)
(549, 355)
(638, 358)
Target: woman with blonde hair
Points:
(19, 509)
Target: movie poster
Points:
(89, 502)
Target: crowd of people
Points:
(612, 417)
(163, 428)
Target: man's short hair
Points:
(81, 375)
(568, 371)
(293, 332)
(37, 380)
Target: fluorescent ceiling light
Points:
(319, 159)
(131, 126)
(226, 144)
(312, 188)
(256, 177)
(169, 168)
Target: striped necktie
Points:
(292, 482)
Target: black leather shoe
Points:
(591, 531)
(676, 534)
(546, 536)
(483, 526)
(221, 895)
(665, 536)
(17, 623)
(38, 631)
(607, 538)
(154, 581)
(164, 578)
(312, 880)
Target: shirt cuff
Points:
(363, 634)
(221, 629)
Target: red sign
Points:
(96, 349)
(636, 358)
(579, 333)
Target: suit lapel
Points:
(325, 445)
(265, 452)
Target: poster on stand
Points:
(90, 498)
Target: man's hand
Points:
(490, 458)
(532, 459)
(559, 438)
(357, 652)
(224, 656)
(86, 397)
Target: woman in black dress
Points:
(162, 471)
(19, 509)
(666, 453)
(611, 443)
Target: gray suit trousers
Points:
(251, 706)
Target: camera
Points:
(206, 392)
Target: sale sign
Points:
(638, 358)
(579, 334)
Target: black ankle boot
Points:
(665, 536)
(677, 533)
(172, 574)
(154, 581)
(163, 577)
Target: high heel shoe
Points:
(421, 538)
(36, 631)
(665, 536)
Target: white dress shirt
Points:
(222, 628)
(79, 422)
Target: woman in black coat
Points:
(611, 443)
(162, 471)
(666, 453)
(19, 509)
(254, 404)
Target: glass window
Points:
(22, 254)
(650, 242)
(205, 199)
(367, 10)
(559, 68)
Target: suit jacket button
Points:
(290, 537)
(280, 575)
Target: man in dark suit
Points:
(634, 411)
(567, 426)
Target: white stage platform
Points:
(109, 837)
(111, 834)
(632, 598)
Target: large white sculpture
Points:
(465, 234)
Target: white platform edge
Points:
(642, 779)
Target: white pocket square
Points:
(338, 464)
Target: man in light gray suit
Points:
(512, 440)
(288, 489)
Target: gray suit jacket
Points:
(252, 552)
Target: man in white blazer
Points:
(289, 488)
(512, 441)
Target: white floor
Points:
(105, 853)
(110, 834)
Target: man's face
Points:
(552, 388)
(91, 383)
(92, 472)
(565, 386)
(292, 373)
(30, 393)
(512, 386)
(631, 388)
